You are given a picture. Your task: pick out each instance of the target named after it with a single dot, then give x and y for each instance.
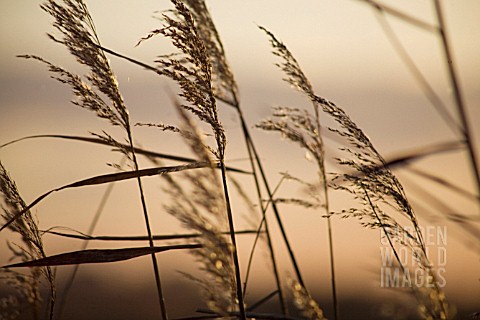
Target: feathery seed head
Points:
(192, 70)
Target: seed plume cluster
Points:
(191, 68)
(78, 35)
(192, 71)
(27, 285)
(368, 177)
(202, 209)
(196, 191)
(223, 81)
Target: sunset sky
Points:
(347, 56)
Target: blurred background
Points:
(343, 49)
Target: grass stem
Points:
(91, 228)
(236, 263)
(158, 282)
(274, 206)
(251, 156)
(458, 95)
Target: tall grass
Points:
(77, 29)
(199, 189)
(27, 285)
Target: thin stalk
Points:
(274, 206)
(53, 293)
(91, 228)
(330, 248)
(184, 236)
(158, 282)
(281, 294)
(236, 105)
(418, 76)
(457, 94)
(255, 155)
(323, 178)
(402, 16)
(250, 258)
(444, 183)
(263, 222)
(332, 270)
(262, 301)
(236, 263)
(404, 271)
(390, 242)
(251, 146)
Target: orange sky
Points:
(343, 51)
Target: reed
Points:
(77, 29)
(197, 191)
(27, 286)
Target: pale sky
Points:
(342, 49)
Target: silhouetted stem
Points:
(255, 155)
(274, 206)
(283, 303)
(158, 282)
(401, 15)
(251, 157)
(418, 76)
(332, 270)
(236, 263)
(404, 271)
(457, 94)
(91, 228)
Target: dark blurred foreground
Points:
(100, 299)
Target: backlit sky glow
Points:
(349, 60)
